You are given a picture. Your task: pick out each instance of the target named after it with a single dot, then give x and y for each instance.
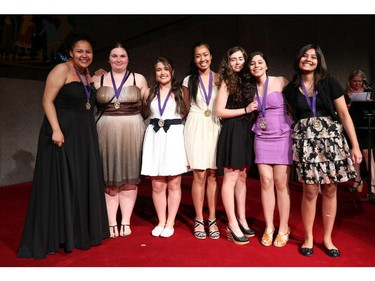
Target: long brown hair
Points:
(175, 87)
(232, 79)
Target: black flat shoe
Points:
(306, 251)
(333, 253)
(247, 232)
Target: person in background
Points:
(201, 133)
(67, 206)
(164, 157)
(235, 145)
(320, 151)
(121, 129)
(357, 83)
(273, 147)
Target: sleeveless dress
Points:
(121, 133)
(201, 132)
(274, 144)
(164, 152)
(67, 207)
(235, 148)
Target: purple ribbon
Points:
(207, 96)
(87, 86)
(263, 103)
(118, 90)
(313, 105)
(161, 109)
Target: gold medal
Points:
(117, 104)
(316, 123)
(207, 113)
(161, 122)
(263, 124)
(88, 106)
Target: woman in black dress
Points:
(67, 207)
(235, 145)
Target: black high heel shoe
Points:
(236, 240)
(248, 232)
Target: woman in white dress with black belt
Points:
(164, 158)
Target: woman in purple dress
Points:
(273, 148)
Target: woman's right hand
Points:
(100, 72)
(252, 106)
(58, 138)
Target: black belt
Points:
(165, 124)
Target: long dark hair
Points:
(194, 72)
(232, 79)
(249, 84)
(175, 87)
(319, 73)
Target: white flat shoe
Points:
(167, 232)
(157, 231)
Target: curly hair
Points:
(232, 79)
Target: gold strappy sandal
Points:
(282, 239)
(267, 238)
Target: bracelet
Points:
(245, 110)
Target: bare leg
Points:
(127, 202)
(227, 194)
(159, 197)
(174, 198)
(211, 193)
(281, 176)
(267, 195)
(329, 208)
(240, 196)
(112, 203)
(308, 209)
(197, 193)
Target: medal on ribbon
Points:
(312, 105)
(263, 123)
(117, 103)
(161, 109)
(161, 123)
(86, 86)
(208, 95)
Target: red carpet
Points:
(353, 235)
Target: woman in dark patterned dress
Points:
(320, 151)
